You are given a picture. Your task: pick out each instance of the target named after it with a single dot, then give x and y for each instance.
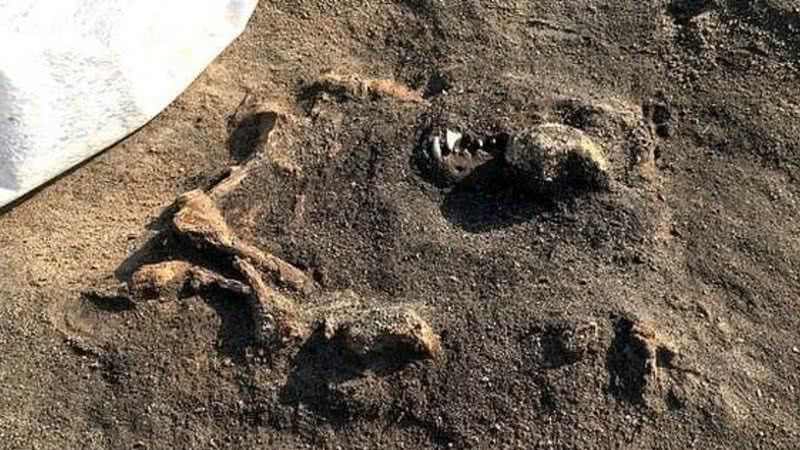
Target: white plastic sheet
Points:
(76, 76)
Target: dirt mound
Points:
(423, 224)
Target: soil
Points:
(452, 304)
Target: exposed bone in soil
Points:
(375, 331)
(557, 155)
(154, 280)
(199, 221)
(356, 86)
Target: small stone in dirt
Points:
(796, 350)
(555, 154)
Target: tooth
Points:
(452, 139)
(436, 148)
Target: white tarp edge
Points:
(76, 76)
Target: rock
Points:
(557, 156)
(629, 131)
(633, 362)
(409, 331)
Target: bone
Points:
(275, 315)
(199, 221)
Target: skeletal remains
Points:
(271, 284)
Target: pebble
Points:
(795, 350)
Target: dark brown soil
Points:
(657, 312)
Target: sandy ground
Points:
(659, 311)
